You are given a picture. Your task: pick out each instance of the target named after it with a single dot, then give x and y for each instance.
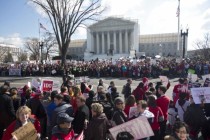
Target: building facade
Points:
(116, 37)
(159, 44)
(5, 48)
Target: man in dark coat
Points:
(127, 88)
(7, 112)
(81, 117)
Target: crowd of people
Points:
(79, 111)
(115, 68)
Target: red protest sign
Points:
(47, 85)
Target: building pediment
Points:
(112, 22)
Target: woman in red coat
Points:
(24, 116)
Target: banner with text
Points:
(14, 72)
(47, 85)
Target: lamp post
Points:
(41, 47)
(184, 35)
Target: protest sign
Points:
(192, 77)
(56, 85)
(133, 111)
(47, 85)
(199, 94)
(26, 132)
(139, 128)
(36, 82)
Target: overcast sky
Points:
(19, 20)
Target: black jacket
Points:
(81, 115)
(7, 112)
(119, 117)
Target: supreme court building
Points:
(112, 37)
(116, 37)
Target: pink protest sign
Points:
(139, 128)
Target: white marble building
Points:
(112, 37)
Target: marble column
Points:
(103, 48)
(115, 42)
(126, 42)
(120, 41)
(108, 41)
(92, 42)
(97, 43)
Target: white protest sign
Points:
(36, 82)
(199, 94)
(192, 77)
(139, 128)
(56, 85)
(133, 111)
(134, 62)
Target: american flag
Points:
(41, 26)
(178, 12)
(81, 136)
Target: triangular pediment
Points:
(112, 21)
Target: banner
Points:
(14, 72)
(139, 128)
(47, 85)
(201, 94)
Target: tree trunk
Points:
(63, 63)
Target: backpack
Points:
(108, 109)
(194, 116)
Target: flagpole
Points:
(178, 35)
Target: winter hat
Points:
(118, 100)
(145, 79)
(63, 117)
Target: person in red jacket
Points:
(63, 131)
(163, 102)
(158, 116)
(24, 116)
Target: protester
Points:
(180, 131)
(63, 130)
(163, 102)
(15, 98)
(23, 116)
(127, 88)
(119, 115)
(81, 116)
(61, 107)
(7, 113)
(158, 116)
(130, 102)
(98, 125)
(181, 105)
(139, 92)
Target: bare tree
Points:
(50, 45)
(203, 46)
(66, 16)
(33, 46)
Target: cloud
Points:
(13, 39)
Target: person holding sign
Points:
(24, 116)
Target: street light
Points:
(41, 47)
(184, 35)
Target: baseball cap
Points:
(63, 117)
